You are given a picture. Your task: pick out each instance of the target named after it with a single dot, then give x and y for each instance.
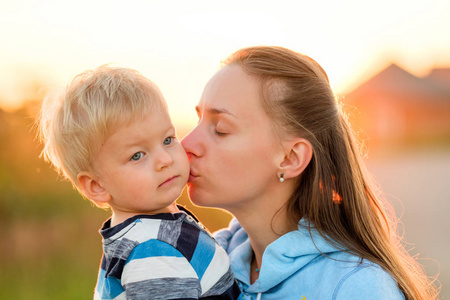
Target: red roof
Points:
(395, 81)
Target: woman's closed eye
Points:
(219, 133)
(221, 129)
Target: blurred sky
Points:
(179, 44)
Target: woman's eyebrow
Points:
(215, 111)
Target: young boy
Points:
(110, 134)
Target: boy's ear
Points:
(92, 189)
(298, 154)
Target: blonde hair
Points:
(74, 125)
(333, 193)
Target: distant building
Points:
(397, 107)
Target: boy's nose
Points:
(164, 160)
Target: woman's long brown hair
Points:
(334, 192)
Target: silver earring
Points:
(282, 177)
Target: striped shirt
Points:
(163, 256)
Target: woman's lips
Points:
(192, 176)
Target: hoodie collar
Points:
(282, 258)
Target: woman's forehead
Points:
(231, 90)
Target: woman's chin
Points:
(198, 198)
(199, 201)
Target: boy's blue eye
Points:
(168, 140)
(137, 156)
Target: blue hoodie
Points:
(294, 268)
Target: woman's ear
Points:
(298, 154)
(92, 189)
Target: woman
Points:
(273, 148)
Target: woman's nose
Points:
(191, 143)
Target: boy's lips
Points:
(169, 180)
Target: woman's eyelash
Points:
(220, 133)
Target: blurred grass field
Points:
(51, 248)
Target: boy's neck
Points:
(118, 216)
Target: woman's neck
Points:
(264, 220)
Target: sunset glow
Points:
(46, 43)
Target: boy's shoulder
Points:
(181, 231)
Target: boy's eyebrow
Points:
(133, 143)
(139, 140)
(215, 111)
